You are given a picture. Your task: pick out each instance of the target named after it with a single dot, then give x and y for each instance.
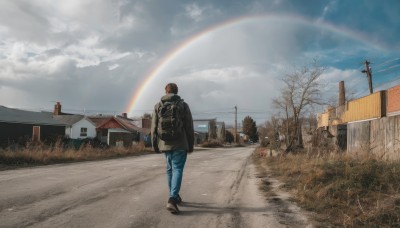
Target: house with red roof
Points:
(116, 130)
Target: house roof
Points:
(128, 124)
(99, 120)
(124, 123)
(69, 119)
(11, 115)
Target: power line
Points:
(389, 68)
(388, 61)
(389, 82)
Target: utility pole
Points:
(369, 75)
(235, 124)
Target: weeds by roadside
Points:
(44, 155)
(342, 191)
(212, 144)
(218, 144)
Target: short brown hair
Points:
(171, 88)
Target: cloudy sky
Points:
(99, 56)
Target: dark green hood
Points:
(170, 97)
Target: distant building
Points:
(203, 130)
(144, 125)
(116, 130)
(77, 126)
(20, 126)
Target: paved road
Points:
(219, 190)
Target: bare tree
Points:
(311, 121)
(270, 132)
(282, 103)
(301, 90)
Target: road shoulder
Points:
(284, 209)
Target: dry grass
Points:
(343, 191)
(212, 144)
(44, 155)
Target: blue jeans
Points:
(176, 160)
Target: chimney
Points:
(125, 115)
(342, 95)
(57, 109)
(342, 100)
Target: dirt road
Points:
(220, 189)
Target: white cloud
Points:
(113, 66)
(194, 12)
(34, 68)
(335, 75)
(127, 22)
(195, 17)
(221, 75)
(60, 25)
(32, 60)
(17, 51)
(327, 9)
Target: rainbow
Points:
(191, 41)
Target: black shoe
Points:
(172, 206)
(178, 199)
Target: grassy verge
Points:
(212, 144)
(218, 144)
(42, 155)
(342, 191)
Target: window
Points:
(83, 131)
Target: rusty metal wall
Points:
(365, 108)
(393, 100)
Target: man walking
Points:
(172, 134)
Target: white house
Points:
(78, 126)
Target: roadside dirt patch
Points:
(285, 210)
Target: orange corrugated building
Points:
(393, 100)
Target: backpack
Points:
(170, 124)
